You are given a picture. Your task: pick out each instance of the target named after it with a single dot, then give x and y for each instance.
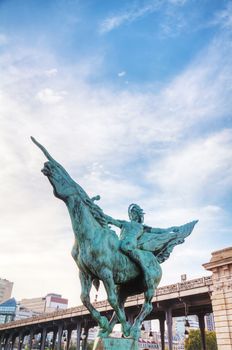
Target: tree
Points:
(211, 341)
(193, 342)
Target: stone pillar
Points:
(168, 316)
(68, 338)
(85, 340)
(43, 339)
(1, 341)
(79, 329)
(21, 337)
(4, 345)
(201, 319)
(221, 267)
(54, 338)
(60, 333)
(9, 342)
(13, 341)
(162, 329)
(31, 339)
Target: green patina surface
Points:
(115, 344)
(127, 265)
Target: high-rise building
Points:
(8, 310)
(5, 289)
(51, 302)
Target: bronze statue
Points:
(127, 265)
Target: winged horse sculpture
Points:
(99, 257)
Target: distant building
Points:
(22, 313)
(5, 289)
(35, 304)
(50, 303)
(209, 322)
(8, 310)
(55, 302)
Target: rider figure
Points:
(130, 233)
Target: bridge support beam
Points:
(162, 329)
(54, 338)
(60, 333)
(69, 334)
(31, 339)
(79, 329)
(13, 341)
(43, 338)
(9, 342)
(201, 318)
(168, 316)
(21, 337)
(85, 340)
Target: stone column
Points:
(20, 343)
(60, 333)
(168, 316)
(162, 329)
(221, 267)
(79, 330)
(43, 339)
(9, 342)
(201, 319)
(68, 338)
(85, 340)
(1, 341)
(54, 338)
(31, 339)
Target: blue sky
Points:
(134, 99)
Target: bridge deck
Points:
(195, 293)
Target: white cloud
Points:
(121, 74)
(223, 18)
(202, 168)
(173, 19)
(49, 96)
(133, 135)
(130, 15)
(51, 72)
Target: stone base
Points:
(115, 344)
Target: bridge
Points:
(192, 297)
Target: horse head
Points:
(63, 185)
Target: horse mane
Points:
(96, 211)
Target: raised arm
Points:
(110, 220)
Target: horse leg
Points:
(108, 281)
(86, 284)
(114, 319)
(146, 309)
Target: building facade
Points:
(8, 310)
(50, 303)
(5, 289)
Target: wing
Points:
(162, 242)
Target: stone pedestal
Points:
(221, 267)
(115, 344)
